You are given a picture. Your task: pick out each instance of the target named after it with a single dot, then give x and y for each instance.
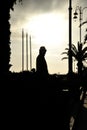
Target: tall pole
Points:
(80, 19)
(30, 55)
(22, 49)
(27, 51)
(70, 37)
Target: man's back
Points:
(41, 65)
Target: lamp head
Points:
(75, 15)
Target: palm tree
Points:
(79, 53)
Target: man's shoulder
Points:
(39, 57)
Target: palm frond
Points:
(64, 58)
(75, 55)
(85, 38)
(67, 49)
(84, 56)
(84, 50)
(74, 48)
(64, 53)
(73, 51)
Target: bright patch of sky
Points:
(47, 23)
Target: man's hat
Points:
(42, 49)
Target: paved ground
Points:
(81, 120)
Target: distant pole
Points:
(27, 51)
(30, 55)
(22, 49)
(70, 36)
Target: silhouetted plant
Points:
(85, 38)
(79, 53)
(5, 50)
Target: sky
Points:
(46, 21)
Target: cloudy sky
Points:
(47, 23)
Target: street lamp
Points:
(70, 37)
(80, 9)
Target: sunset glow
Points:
(48, 25)
(49, 29)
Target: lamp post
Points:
(80, 9)
(70, 37)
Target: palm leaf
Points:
(73, 51)
(85, 38)
(64, 58)
(84, 56)
(74, 48)
(64, 53)
(84, 50)
(74, 55)
(67, 49)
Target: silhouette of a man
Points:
(41, 65)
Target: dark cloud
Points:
(39, 6)
(36, 6)
(43, 5)
(31, 7)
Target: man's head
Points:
(42, 50)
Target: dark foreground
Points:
(58, 96)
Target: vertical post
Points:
(80, 19)
(27, 51)
(22, 49)
(70, 36)
(30, 55)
